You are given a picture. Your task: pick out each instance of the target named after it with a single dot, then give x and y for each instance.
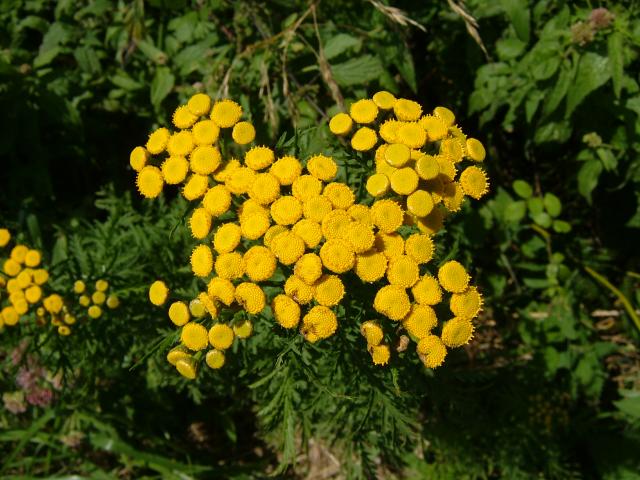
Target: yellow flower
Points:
(407, 110)
(64, 331)
(286, 170)
(179, 313)
(337, 255)
(319, 323)
(84, 300)
(427, 167)
(196, 187)
(316, 208)
(196, 308)
(201, 261)
(174, 170)
(403, 271)
(295, 288)
(308, 268)
(222, 174)
(94, 311)
(215, 359)
(427, 291)
(113, 302)
(243, 330)
(420, 203)
(69, 319)
(24, 279)
(286, 311)
(137, 159)
(21, 306)
(180, 143)
(329, 290)
(255, 225)
(447, 168)
(53, 303)
(457, 332)
(475, 150)
(387, 215)
(364, 139)
(199, 104)
(339, 194)
(360, 236)
(309, 231)
(265, 189)
(205, 132)
(445, 115)
(5, 236)
(305, 187)
(434, 126)
(239, 180)
(473, 181)
(194, 336)
(389, 244)
(389, 130)
(226, 113)
(431, 351)
(18, 253)
(404, 181)
(243, 133)
(380, 354)
(11, 267)
(286, 210)
(419, 247)
(10, 316)
(208, 304)
(370, 266)
(177, 353)
(183, 117)
(200, 223)
(340, 124)
(251, 297)
(384, 100)
(40, 276)
(453, 277)
(33, 294)
(221, 289)
(230, 265)
(259, 158)
(360, 213)
(392, 301)
(432, 223)
(205, 159)
(98, 298)
(372, 332)
(453, 196)
(217, 200)
(288, 247)
(420, 320)
(221, 336)
(336, 224)
(157, 141)
(454, 148)
(412, 135)
(149, 181)
(466, 304)
(260, 263)
(364, 111)
(227, 238)
(322, 167)
(187, 367)
(272, 233)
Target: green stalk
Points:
(625, 301)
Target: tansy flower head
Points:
(243, 133)
(364, 111)
(180, 143)
(453, 196)
(33, 294)
(18, 253)
(370, 266)
(389, 244)
(384, 100)
(53, 303)
(322, 167)
(10, 316)
(217, 200)
(138, 158)
(419, 247)
(407, 110)
(230, 265)
(288, 247)
(337, 255)
(205, 132)
(473, 181)
(432, 223)
(174, 170)
(380, 354)
(329, 290)
(389, 130)
(187, 367)
(149, 181)
(251, 297)
(427, 167)
(420, 320)
(11, 267)
(64, 331)
(434, 126)
(215, 359)
(306, 187)
(404, 181)
(299, 291)
(194, 336)
(403, 271)
(372, 332)
(239, 180)
(98, 298)
(457, 332)
(113, 302)
(453, 277)
(196, 187)
(176, 354)
(412, 135)
(339, 194)
(319, 323)
(316, 208)
(40, 276)
(420, 203)
(308, 268)
(183, 117)
(94, 311)
(340, 124)
(392, 301)
(222, 290)
(444, 114)
(199, 104)
(336, 224)
(32, 258)
(196, 308)
(226, 113)
(427, 291)
(158, 141)
(286, 311)
(272, 233)
(466, 304)
(447, 168)
(84, 300)
(378, 184)
(259, 158)
(475, 150)
(387, 215)
(364, 139)
(205, 159)
(265, 189)
(243, 330)
(260, 263)
(255, 225)
(201, 261)
(223, 172)
(208, 304)
(360, 213)
(309, 231)
(286, 169)
(227, 238)
(179, 313)
(286, 210)
(431, 351)
(454, 148)
(200, 223)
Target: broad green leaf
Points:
(124, 81)
(560, 89)
(161, 85)
(608, 159)
(515, 212)
(340, 43)
(560, 226)
(543, 219)
(593, 72)
(546, 69)
(616, 58)
(588, 177)
(152, 53)
(518, 13)
(510, 48)
(46, 57)
(630, 403)
(535, 205)
(553, 132)
(87, 60)
(522, 189)
(552, 204)
(357, 71)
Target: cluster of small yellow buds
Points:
(94, 301)
(266, 213)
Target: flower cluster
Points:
(94, 301)
(258, 213)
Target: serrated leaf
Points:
(518, 13)
(357, 71)
(522, 189)
(616, 58)
(161, 85)
(593, 72)
(340, 43)
(588, 176)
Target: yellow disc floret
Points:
(473, 181)
(337, 255)
(392, 301)
(457, 332)
(364, 139)
(364, 111)
(329, 290)
(419, 247)
(259, 158)
(194, 336)
(453, 277)
(226, 113)
(243, 133)
(431, 351)
(201, 261)
(286, 311)
(340, 124)
(199, 104)
(230, 265)
(158, 293)
(251, 297)
(420, 320)
(150, 181)
(322, 167)
(466, 304)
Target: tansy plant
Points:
(24, 288)
(264, 220)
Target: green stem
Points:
(625, 301)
